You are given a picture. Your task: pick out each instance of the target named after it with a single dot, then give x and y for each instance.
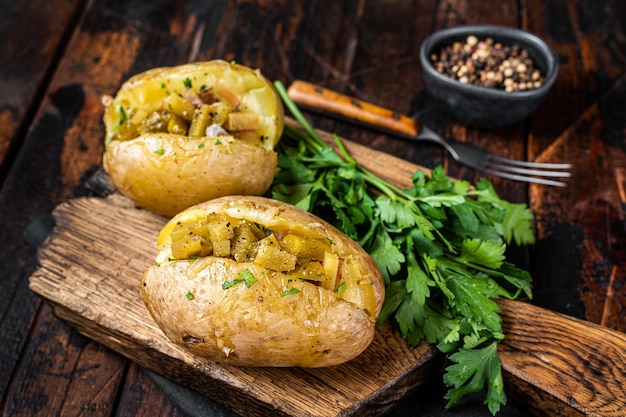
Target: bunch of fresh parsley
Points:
(439, 245)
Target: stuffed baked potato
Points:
(256, 282)
(178, 136)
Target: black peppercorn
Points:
(490, 64)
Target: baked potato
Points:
(252, 281)
(178, 136)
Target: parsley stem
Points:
(313, 138)
(390, 190)
(344, 151)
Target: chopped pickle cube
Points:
(244, 120)
(220, 227)
(154, 123)
(125, 131)
(190, 246)
(306, 248)
(270, 255)
(309, 271)
(331, 270)
(250, 136)
(219, 112)
(358, 290)
(190, 239)
(139, 117)
(177, 125)
(244, 242)
(362, 296)
(201, 118)
(180, 107)
(221, 248)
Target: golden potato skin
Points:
(167, 172)
(260, 324)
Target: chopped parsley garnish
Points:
(218, 142)
(289, 292)
(440, 246)
(189, 295)
(162, 84)
(226, 285)
(160, 151)
(187, 83)
(200, 145)
(341, 288)
(122, 113)
(246, 277)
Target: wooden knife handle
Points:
(322, 99)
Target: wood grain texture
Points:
(29, 52)
(90, 272)
(32, 38)
(581, 235)
(579, 363)
(142, 398)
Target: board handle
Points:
(560, 365)
(331, 102)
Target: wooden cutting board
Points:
(91, 267)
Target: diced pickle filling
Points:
(190, 113)
(305, 258)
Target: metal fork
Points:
(330, 102)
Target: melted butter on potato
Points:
(292, 291)
(178, 136)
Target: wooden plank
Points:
(581, 233)
(580, 365)
(141, 391)
(32, 36)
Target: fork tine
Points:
(528, 164)
(527, 171)
(524, 178)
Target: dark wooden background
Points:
(58, 57)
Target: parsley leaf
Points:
(418, 282)
(387, 256)
(440, 246)
(472, 370)
(482, 252)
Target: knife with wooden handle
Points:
(552, 363)
(318, 98)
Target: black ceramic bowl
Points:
(483, 106)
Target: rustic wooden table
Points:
(57, 58)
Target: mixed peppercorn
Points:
(487, 63)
